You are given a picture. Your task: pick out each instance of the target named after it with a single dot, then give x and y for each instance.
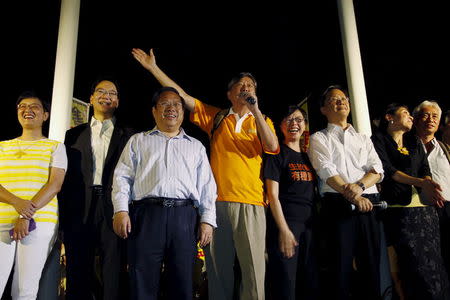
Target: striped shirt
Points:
(153, 165)
(24, 170)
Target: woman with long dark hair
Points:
(290, 183)
(411, 222)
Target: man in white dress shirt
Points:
(93, 150)
(163, 194)
(427, 116)
(348, 168)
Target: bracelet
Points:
(22, 217)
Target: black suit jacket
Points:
(75, 197)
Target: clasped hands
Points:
(353, 193)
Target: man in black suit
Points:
(93, 150)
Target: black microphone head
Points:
(250, 100)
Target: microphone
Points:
(250, 100)
(381, 205)
(247, 97)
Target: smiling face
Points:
(336, 105)
(168, 112)
(427, 121)
(401, 120)
(293, 126)
(31, 114)
(104, 100)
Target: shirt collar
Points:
(336, 128)
(106, 123)
(232, 112)
(156, 131)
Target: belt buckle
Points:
(168, 203)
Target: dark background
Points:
(293, 49)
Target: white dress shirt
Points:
(154, 165)
(101, 133)
(440, 168)
(335, 151)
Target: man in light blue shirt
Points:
(162, 182)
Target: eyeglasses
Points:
(297, 120)
(166, 104)
(335, 99)
(110, 93)
(33, 106)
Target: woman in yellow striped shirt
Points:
(32, 170)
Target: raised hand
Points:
(148, 61)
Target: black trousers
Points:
(296, 277)
(82, 243)
(352, 235)
(162, 234)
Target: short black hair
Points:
(104, 78)
(289, 111)
(32, 94)
(238, 77)
(164, 89)
(323, 98)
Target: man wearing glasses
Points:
(93, 150)
(237, 146)
(348, 167)
(164, 179)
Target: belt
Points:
(165, 202)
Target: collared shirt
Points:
(236, 157)
(154, 165)
(101, 133)
(440, 167)
(239, 120)
(335, 151)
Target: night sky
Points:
(293, 51)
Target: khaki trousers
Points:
(241, 232)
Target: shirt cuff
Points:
(210, 218)
(379, 170)
(326, 173)
(120, 205)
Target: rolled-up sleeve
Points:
(124, 175)
(206, 185)
(321, 157)
(373, 160)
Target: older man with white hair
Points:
(427, 116)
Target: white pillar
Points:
(64, 69)
(353, 66)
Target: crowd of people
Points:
(274, 221)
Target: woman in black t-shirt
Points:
(290, 183)
(411, 224)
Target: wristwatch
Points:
(361, 185)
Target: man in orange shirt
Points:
(237, 146)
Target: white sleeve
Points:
(321, 157)
(59, 157)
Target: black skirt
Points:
(414, 234)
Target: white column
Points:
(353, 66)
(64, 69)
